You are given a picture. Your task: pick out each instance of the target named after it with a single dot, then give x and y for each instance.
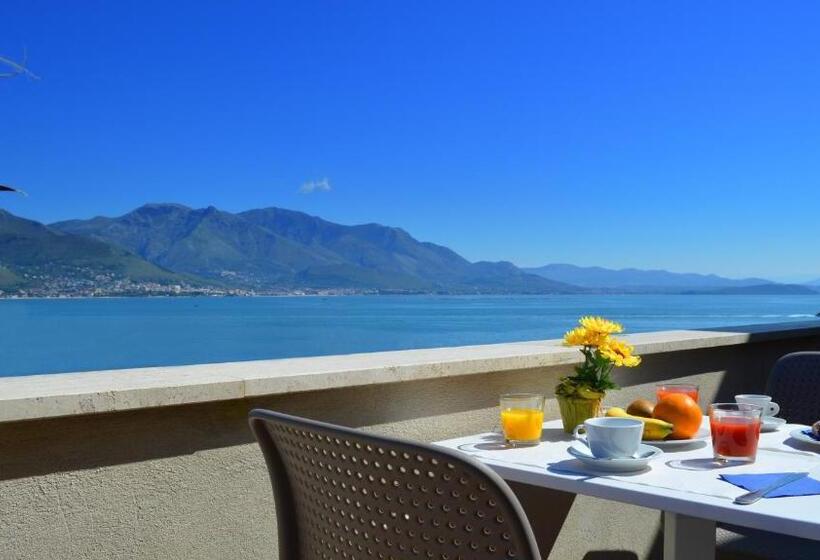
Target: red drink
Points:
(735, 431)
(662, 391)
(735, 437)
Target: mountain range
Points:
(636, 280)
(273, 250)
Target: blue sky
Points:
(646, 134)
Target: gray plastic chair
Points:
(794, 384)
(344, 494)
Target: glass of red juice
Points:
(735, 431)
(668, 388)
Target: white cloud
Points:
(322, 185)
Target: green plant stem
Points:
(596, 370)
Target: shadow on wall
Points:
(40, 447)
(546, 510)
(610, 555)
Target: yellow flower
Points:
(576, 337)
(580, 336)
(619, 353)
(600, 325)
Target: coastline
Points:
(402, 294)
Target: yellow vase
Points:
(575, 411)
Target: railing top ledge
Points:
(70, 394)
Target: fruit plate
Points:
(699, 440)
(805, 438)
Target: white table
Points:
(680, 483)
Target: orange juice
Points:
(522, 424)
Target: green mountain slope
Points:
(276, 248)
(33, 255)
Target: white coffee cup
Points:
(764, 401)
(611, 438)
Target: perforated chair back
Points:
(795, 385)
(344, 494)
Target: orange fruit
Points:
(681, 411)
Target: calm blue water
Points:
(47, 336)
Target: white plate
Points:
(771, 423)
(698, 439)
(645, 454)
(800, 436)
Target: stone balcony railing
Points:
(160, 463)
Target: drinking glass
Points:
(522, 417)
(666, 389)
(735, 431)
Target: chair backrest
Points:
(795, 385)
(345, 494)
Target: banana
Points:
(653, 429)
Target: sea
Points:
(42, 336)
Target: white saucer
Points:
(800, 436)
(771, 423)
(645, 454)
(699, 439)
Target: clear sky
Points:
(676, 135)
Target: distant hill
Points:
(273, 247)
(764, 289)
(635, 280)
(32, 255)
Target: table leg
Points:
(687, 538)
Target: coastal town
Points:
(117, 288)
(127, 288)
(110, 285)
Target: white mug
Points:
(764, 401)
(611, 438)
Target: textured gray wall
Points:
(188, 482)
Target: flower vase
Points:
(575, 410)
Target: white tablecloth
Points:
(688, 470)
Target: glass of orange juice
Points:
(668, 388)
(522, 417)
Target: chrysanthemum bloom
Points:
(600, 325)
(619, 353)
(580, 336)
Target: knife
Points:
(752, 497)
